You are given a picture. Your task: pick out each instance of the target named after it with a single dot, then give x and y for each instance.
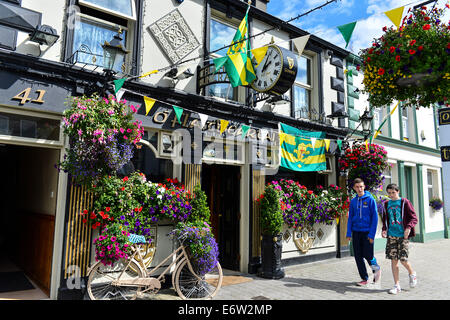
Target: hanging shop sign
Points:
(32, 93)
(444, 140)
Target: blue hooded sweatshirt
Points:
(363, 215)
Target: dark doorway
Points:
(221, 184)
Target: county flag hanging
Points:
(239, 65)
(298, 152)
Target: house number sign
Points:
(24, 96)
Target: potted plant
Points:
(271, 227)
(368, 165)
(410, 64)
(436, 203)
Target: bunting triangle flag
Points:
(395, 15)
(178, 113)
(259, 54)
(327, 144)
(300, 43)
(118, 84)
(148, 73)
(313, 142)
(223, 125)
(347, 30)
(203, 118)
(119, 94)
(219, 62)
(339, 143)
(149, 102)
(244, 130)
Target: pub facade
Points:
(232, 166)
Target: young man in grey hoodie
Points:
(361, 228)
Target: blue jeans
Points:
(363, 249)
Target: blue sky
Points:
(323, 23)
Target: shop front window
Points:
(29, 127)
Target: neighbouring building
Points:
(50, 50)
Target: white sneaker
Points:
(412, 280)
(396, 289)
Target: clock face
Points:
(269, 70)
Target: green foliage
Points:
(271, 215)
(200, 209)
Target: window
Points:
(378, 115)
(98, 21)
(387, 174)
(221, 34)
(122, 8)
(405, 123)
(431, 180)
(302, 88)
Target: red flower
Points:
(412, 42)
(448, 45)
(391, 49)
(108, 209)
(123, 188)
(397, 58)
(370, 50)
(125, 179)
(426, 27)
(427, 18)
(381, 71)
(412, 51)
(420, 48)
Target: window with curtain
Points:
(99, 21)
(92, 34)
(302, 88)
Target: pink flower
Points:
(125, 137)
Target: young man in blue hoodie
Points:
(361, 227)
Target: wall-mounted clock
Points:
(277, 71)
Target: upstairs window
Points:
(98, 21)
(221, 34)
(302, 88)
(121, 8)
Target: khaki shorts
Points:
(397, 248)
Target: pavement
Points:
(335, 279)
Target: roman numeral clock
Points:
(277, 71)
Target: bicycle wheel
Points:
(188, 286)
(100, 285)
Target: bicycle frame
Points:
(147, 274)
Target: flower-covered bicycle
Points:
(129, 279)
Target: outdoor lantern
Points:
(366, 122)
(44, 34)
(114, 53)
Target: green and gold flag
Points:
(297, 151)
(239, 65)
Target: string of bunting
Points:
(150, 102)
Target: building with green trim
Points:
(410, 137)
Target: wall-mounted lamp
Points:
(114, 53)
(44, 34)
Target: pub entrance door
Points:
(221, 184)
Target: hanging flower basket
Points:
(410, 64)
(102, 137)
(365, 164)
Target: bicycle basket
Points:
(135, 238)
